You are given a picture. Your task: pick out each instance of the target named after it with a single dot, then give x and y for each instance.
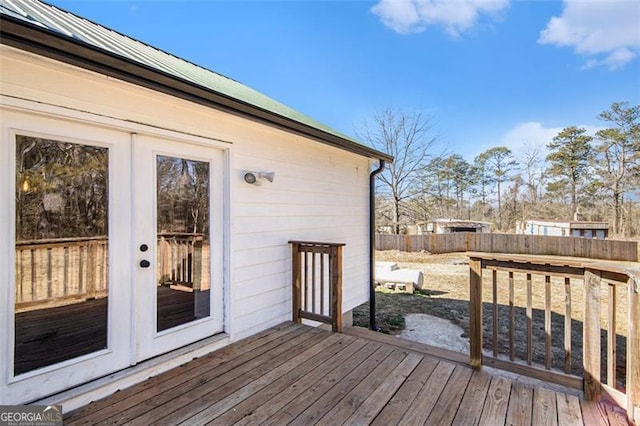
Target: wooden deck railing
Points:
(595, 311)
(60, 271)
(180, 260)
(317, 282)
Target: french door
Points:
(65, 284)
(111, 251)
(178, 244)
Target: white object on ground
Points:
(410, 278)
(386, 266)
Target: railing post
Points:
(336, 288)
(633, 351)
(475, 315)
(591, 335)
(296, 296)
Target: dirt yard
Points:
(445, 295)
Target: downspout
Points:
(372, 245)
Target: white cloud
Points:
(533, 133)
(456, 16)
(608, 32)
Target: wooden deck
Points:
(294, 374)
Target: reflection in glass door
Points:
(183, 257)
(61, 252)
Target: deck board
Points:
(426, 399)
(299, 375)
(544, 408)
(379, 398)
(445, 409)
(494, 411)
(341, 389)
(569, 410)
(520, 405)
(470, 409)
(405, 396)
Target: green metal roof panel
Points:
(69, 25)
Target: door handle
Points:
(144, 263)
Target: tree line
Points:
(577, 177)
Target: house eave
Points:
(28, 37)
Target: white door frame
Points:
(53, 378)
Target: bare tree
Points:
(499, 162)
(531, 161)
(408, 138)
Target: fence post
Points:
(475, 314)
(296, 295)
(591, 335)
(336, 288)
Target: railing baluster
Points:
(336, 288)
(494, 286)
(611, 337)
(91, 270)
(49, 274)
(591, 335)
(547, 322)
(172, 248)
(65, 273)
(529, 321)
(81, 249)
(633, 349)
(313, 281)
(512, 318)
(34, 296)
(475, 316)
(306, 281)
(322, 295)
(296, 276)
(567, 325)
(19, 254)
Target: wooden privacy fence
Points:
(511, 243)
(60, 271)
(317, 282)
(585, 313)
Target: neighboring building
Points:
(136, 186)
(448, 226)
(575, 228)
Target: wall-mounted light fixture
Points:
(254, 178)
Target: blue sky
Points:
(487, 73)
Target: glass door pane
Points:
(61, 251)
(183, 285)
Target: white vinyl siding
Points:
(319, 193)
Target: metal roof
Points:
(53, 24)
